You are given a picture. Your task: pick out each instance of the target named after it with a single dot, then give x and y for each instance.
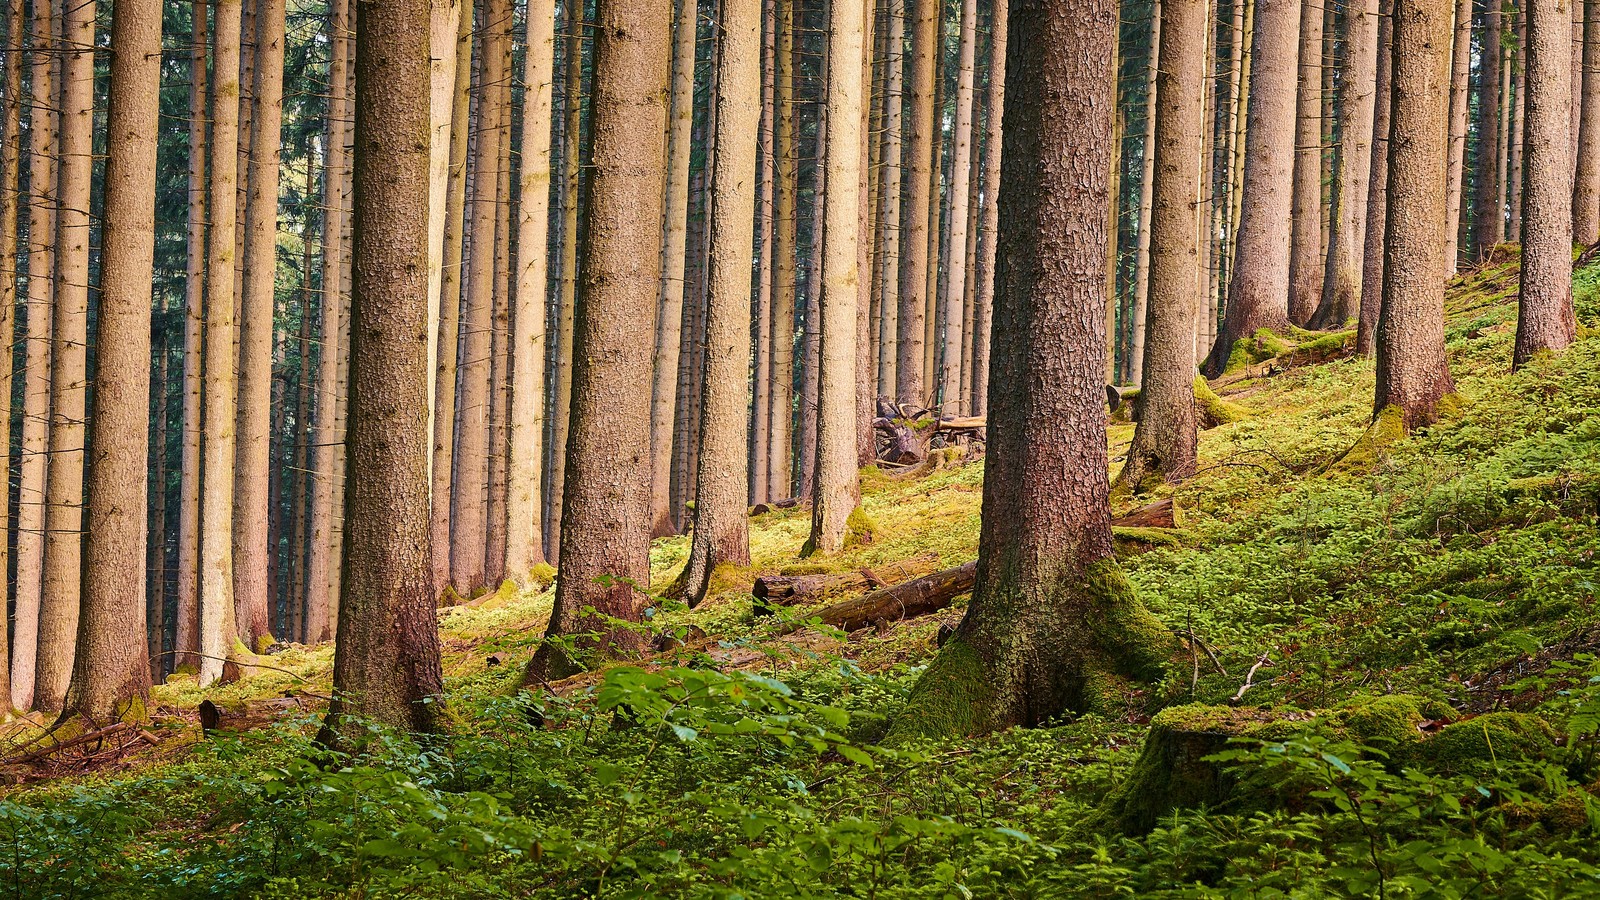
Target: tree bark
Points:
(989, 226)
(1141, 266)
(1166, 438)
(1488, 221)
(1460, 72)
(784, 247)
(111, 675)
(1514, 156)
(1412, 372)
(1259, 291)
(919, 164)
(10, 200)
(1051, 613)
(1377, 189)
(761, 405)
(69, 335)
(1586, 186)
(605, 514)
(1341, 295)
(494, 545)
(572, 132)
(887, 238)
(907, 600)
(955, 301)
(1305, 242)
(1545, 320)
(386, 661)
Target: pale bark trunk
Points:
(1341, 295)
(63, 515)
(253, 451)
(494, 544)
(887, 238)
(837, 491)
(1586, 185)
(10, 200)
(761, 368)
(866, 401)
(605, 514)
(919, 167)
(936, 231)
(811, 336)
(1489, 226)
(386, 662)
(955, 301)
(989, 226)
(1259, 291)
(1514, 135)
(444, 23)
(1141, 266)
(1545, 320)
(111, 677)
(572, 111)
(721, 525)
(1305, 242)
(784, 247)
(1378, 189)
(1412, 371)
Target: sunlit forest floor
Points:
(1399, 637)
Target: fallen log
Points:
(764, 508)
(790, 590)
(916, 597)
(247, 715)
(1157, 515)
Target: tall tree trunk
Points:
(1460, 72)
(1341, 294)
(919, 165)
(837, 491)
(63, 515)
(155, 561)
(1051, 613)
(955, 300)
(721, 526)
(810, 335)
(111, 676)
(10, 199)
(1514, 136)
(524, 471)
(1259, 291)
(605, 514)
(572, 112)
(299, 500)
(42, 129)
(494, 559)
(320, 569)
(887, 238)
(1305, 242)
(936, 232)
(1141, 266)
(1488, 220)
(669, 336)
(469, 532)
(1412, 372)
(1586, 185)
(252, 469)
(866, 399)
(989, 226)
(785, 213)
(1377, 189)
(1545, 320)
(186, 641)
(449, 329)
(1165, 440)
(386, 662)
(761, 405)
(444, 24)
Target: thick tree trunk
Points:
(989, 226)
(524, 445)
(1377, 189)
(1341, 294)
(1586, 184)
(605, 514)
(955, 300)
(186, 640)
(111, 677)
(1051, 614)
(1545, 320)
(1305, 242)
(919, 165)
(1460, 73)
(1165, 440)
(1488, 220)
(69, 335)
(386, 662)
(1412, 372)
(721, 525)
(1259, 291)
(321, 572)
(784, 248)
(253, 452)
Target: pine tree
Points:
(1545, 319)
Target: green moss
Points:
(1451, 406)
(1214, 410)
(950, 698)
(265, 643)
(1154, 537)
(1387, 723)
(1136, 643)
(541, 576)
(1322, 346)
(1172, 771)
(827, 567)
(1387, 428)
(1487, 742)
(859, 529)
(450, 598)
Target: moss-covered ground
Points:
(1387, 687)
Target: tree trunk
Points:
(252, 468)
(605, 514)
(866, 396)
(524, 475)
(669, 337)
(10, 198)
(494, 557)
(721, 525)
(69, 335)
(572, 131)
(936, 231)
(1377, 189)
(111, 676)
(761, 406)
(320, 570)
(1051, 614)
(1460, 73)
(915, 217)
(1259, 291)
(1514, 160)
(1141, 266)
(1545, 320)
(955, 301)
(1412, 372)
(386, 662)
(1488, 221)
(1165, 439)
(989, 227)
(785, 215)
(887, 238)
(1305, 242)
(1341, 295)
(1586, 189)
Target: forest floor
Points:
(1400, 637)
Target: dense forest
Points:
(800, 448)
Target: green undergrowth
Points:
(1387, 685)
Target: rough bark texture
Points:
(1147, 179)
(10, 202)
(1258, 294)
(1341, 293)
(989, 226)
(1586, 184)
(761, 368)
(186, 640)
(69, 390)
(1164, 441)
(919, 164)
(605, 513)
(386, 665)
(1544, 317)
(1377, 189)
(1460, 72)
(721, 526)
(1051, 616)
(785, 210)
(252, 467)
(494, 542)
(572, 131)
(887, 237)
(837, 492)
(951, 399)
(111, 677)
(1305, 242)
(1488, 220)
(1412, 372)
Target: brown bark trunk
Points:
(1377, 189)
(989, 226)
(186, 640)
(572, 131)
(1460, 73)
(1489, 226)
(1341, 296)
(955, 299)
(494, 557)
(10, 200)
(919, 165)
(761, 369)
(1141, 266)
(1518, 89)
(1305, 242)
(1545, 320)
(784, 248)
(1586, 185)
(887, 237)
